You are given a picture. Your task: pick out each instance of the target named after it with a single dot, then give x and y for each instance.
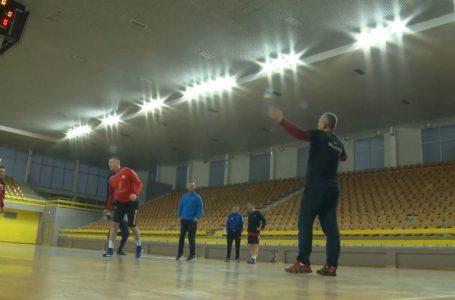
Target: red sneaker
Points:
(327, 271)
(298, 267)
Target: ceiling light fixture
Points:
(152, 104)
(217, 85)
(370, 37)
(78, 131)
(111, 120)
(281, 63)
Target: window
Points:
(181, 176)
(369, 153)
(216, 173)
(438, 144)
(153, 173)
(302, 161)
(260, 167)
(15, 162)
(92, 180)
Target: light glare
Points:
(380, 35)
(210, 87)
(78, 131)
(111, 120)
(152, 105)
(282, 62)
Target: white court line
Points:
(427, 297)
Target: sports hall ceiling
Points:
(81, 60)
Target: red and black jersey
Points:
(121, 185)
(2, 192)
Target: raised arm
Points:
(277, 115)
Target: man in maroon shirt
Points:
(124, 189)
(321, 193)
(2, 187)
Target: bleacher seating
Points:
(395, 198)
(161, 213)
(407, 197)
(12, 188)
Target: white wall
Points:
(166, 174)
(347, 165)
(239, 166)
(56, 218)
(199, 173)
(285, 162)
(409, 146)
(390, 148)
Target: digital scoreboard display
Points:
(12, 19)
(6, 14)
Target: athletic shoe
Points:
(139, 251)
(327, 271)
(109, 253)
(191, 257)
(237, 260)
(251, 261)
(120, 252)
(298, 267)
(179, 256)
(227, 260)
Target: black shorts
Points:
(253, 238)
(119, 210)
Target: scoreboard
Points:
(13, 17)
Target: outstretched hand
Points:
(275, 114)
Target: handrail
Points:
(413, 231)
(143, 232)
(52, 203)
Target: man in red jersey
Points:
(2, 187)
(124, 189)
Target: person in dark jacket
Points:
(234, 228)
(256, 223)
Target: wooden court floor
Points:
(32, 272)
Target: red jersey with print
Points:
(121, 185)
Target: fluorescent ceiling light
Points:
(152, 105)
(78, 131)
(217, 85)
(398, 26)
(281, 63)
(381, 34)
(111, 120)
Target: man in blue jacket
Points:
(234, 228)
(190, 212)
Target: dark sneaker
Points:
(179, 256)
(327, 271)
(109, 253)
(298, 267)
(120, 252)
(139, 251)
(251, 261)
(191, 257)
(237, 260)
